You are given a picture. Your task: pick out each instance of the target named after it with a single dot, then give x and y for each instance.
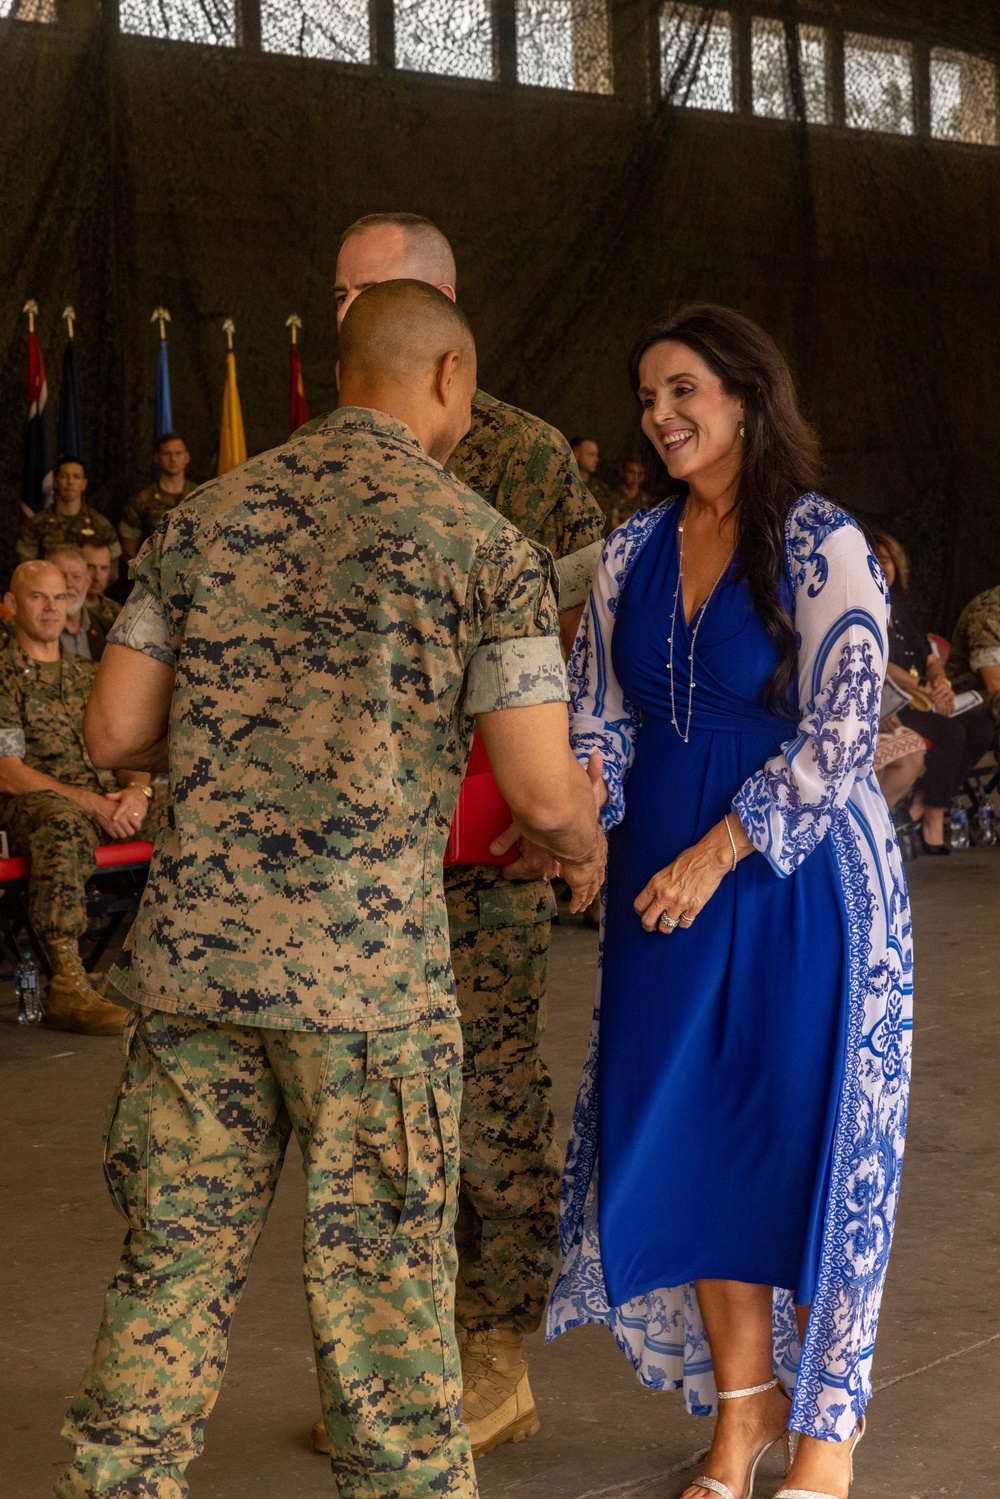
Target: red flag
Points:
(298, 410)
(36, 482)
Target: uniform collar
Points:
(27, 666)
(364, 419)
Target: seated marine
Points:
(55, 806)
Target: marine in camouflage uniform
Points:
(511, 1166)
(336, 612)
(975, 647)
(51, 528)
(104, 610)
(143, 512)
(41, 722)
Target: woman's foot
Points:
(932, 827)
(823, 1467)
(743, 1428)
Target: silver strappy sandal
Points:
(814, 1493)
(714, 1484)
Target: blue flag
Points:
(164, 414)
(70, 416)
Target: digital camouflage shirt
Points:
(41, 717)
(975, 641)
(48, 529)
(143, 512)
(526, 470)
(337, 610)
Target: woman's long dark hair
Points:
(780, 459)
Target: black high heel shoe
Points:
(933, 848)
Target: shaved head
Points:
(399, 331)
(31, 575)
(407, 350)
(37, 601)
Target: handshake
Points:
(555, 823)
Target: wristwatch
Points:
(146, 790)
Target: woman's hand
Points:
(534, 863)
(941, 695)
(681, 890)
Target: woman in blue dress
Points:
(744, 1099)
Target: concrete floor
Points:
(934, 1426)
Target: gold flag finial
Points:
(31, 308)
(161, 316)
(295, 323)
(69, 316)
(229, 328)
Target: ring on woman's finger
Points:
(687, 921)
(669, 921)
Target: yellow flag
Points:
(232, 440)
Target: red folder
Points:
(481, 815)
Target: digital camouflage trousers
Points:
(60, 839)
(193, 1153)
(508, 1217)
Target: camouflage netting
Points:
(833, 174)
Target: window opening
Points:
(696, 57)
(878, 84)
(211, 22)
(333, 29)
(963, 98)
(564, 44)
(42, 11)
(445, 36)
(773, 94)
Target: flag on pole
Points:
(70, 411)
(36, 480)
(164, 421)
(232, 440)
(298, 411)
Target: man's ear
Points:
(444, 375)
(336, 375)
(449, 290)
(10, 602)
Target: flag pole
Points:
(295, 323)
(161, 316)
(31, 308)
(229, 328)
(69, 318)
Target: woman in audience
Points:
(958, 741)
(752, 1077)
(900, 758)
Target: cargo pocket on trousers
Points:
(126, 1137)
(406, 1150)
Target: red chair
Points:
(113, 892)
(942, 647)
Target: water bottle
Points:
(959, 824)
(28, 988)
(986, 824)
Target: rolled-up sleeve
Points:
(142, 626)
(576, 572)
(517, 662)
(12, 743)
(12, 740)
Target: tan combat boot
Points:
(72, 1003)
(321, 1442)
(497, 1403)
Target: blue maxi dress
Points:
(742, 1110)
(721, 1045)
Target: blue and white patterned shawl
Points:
(821, 785)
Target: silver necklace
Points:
(695, 626)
